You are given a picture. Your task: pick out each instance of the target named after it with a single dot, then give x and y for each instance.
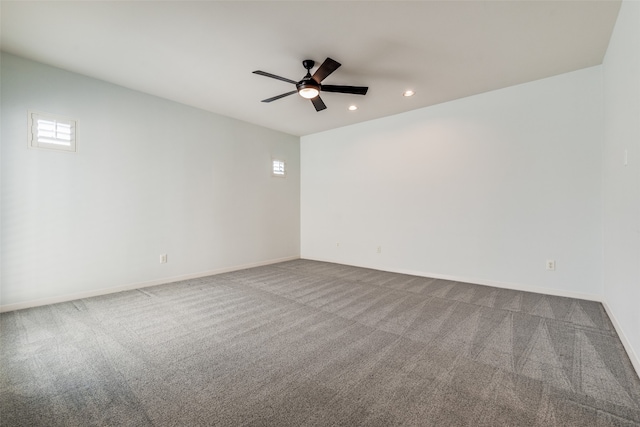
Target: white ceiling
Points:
(203, 53)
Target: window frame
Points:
(32, 132)
(274, 173)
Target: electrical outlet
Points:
(163, 258)
(379, 249)
(337, 244)
(551, 264)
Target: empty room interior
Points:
(318, 213)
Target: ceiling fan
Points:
(310, 86)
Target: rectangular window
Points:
(279, 168)
(52, 132)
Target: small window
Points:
(52, 132)
(279, 168)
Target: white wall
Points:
(151, 176)
(622, 182)
(483, 189)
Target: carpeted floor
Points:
(306, 343)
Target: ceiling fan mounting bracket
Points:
(308, 63)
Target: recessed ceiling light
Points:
(408, 93)
(353, 107)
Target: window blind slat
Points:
(49, 131)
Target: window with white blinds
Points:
(52, 132)
(279, 168)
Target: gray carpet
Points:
(306, 343)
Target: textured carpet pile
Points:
(306, 343)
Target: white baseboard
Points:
(475, 281)
(128, 287)
(635, 360)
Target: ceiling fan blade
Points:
(327, 67)
(317, 102)
(280, 96)
(356, 90)
(273, 76)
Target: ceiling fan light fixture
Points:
(308, 92)
(308, 88)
